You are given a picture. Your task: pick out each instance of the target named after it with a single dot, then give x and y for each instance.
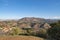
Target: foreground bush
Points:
(42, 33)
(16, 31)
(54, 32)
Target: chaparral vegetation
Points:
(30, 29)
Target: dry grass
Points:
(19, 38)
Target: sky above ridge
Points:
(15, 9)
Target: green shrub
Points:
(16, 31)
(54, 33)
(42, 33)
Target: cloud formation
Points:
(56, 17)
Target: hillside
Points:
(27, 22)
(29, 26)
(39, 20)
(20, 38)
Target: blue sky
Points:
(15, 9)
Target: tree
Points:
(42, 33)
(54, 32)
(28, 30)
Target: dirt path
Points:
(20, 38)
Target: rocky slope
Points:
(27, 22)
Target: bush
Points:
(42, 33)
(16, 31)
(54, 33)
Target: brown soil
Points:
(20, 38)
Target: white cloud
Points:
(56, 17)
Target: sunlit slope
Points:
(20, 38)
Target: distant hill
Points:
(34, 22)
(39, 20)
(32, 19)
(27, 22)
(25, 26)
